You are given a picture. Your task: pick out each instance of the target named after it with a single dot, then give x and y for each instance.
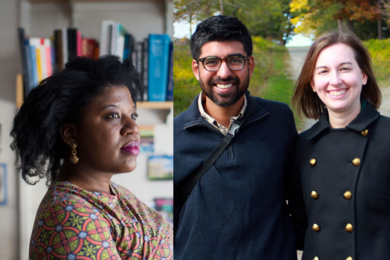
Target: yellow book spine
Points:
(39, 64)
(19, 90)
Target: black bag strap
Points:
(188, 184)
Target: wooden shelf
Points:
(155, 105)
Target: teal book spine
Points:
(158, 67)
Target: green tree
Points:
(267, 18)
(313, 17)
(191, 10)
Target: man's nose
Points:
(224, 71)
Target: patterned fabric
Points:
(73, 223)
(224, 130)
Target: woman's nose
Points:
(129, 126)
(335, 79)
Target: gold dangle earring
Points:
(74, 159)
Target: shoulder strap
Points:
(188, 185)
(190, 182)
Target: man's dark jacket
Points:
(238, 209)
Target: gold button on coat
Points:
(313, 162)
(356, 161)
(348, 258)
(347, 195)
(349, 228)
(364, 133)
(314, 195)
(315, 227)
(316, 258)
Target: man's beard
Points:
(225, 100)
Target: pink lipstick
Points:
(131, 148)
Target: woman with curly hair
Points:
(77, 129)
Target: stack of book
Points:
(152, 57)
(41, 57)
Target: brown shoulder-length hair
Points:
(307, 101)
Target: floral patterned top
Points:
(73, 223)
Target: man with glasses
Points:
(237, 209)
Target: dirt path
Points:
(385, 107)
(298, 55)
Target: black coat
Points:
(345, 177)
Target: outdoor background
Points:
(276, 26)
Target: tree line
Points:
(278, 20)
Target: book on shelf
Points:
(170, 74)
(42, 48)
(74, 43)
(116, 40)
(159, 45)
(145, 67)
(105, 36)
(89, 48)
(26, 64)
(59, 58)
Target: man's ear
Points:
(69, 134)
(251, 62)
(195, 68)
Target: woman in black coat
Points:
(343, 161)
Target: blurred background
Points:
(152, 179)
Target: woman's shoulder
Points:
(65, 193)
(146, 218)
(147, 215)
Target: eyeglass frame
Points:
(224, 59)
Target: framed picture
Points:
(165, 207)
(147, 138)
(3, 184)
(160, 167)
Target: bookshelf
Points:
(139, 17)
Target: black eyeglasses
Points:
(234, 62)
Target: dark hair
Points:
(308, 101)
(58, 100)
(220, 28)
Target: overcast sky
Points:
(182, 29)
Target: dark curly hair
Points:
(58, 100)
(220, 28)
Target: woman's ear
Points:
(313, 87)
(68, 134)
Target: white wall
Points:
(40, 20)
(9, 67)
(139, 18)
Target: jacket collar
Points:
(253, 112)
(366, 117)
